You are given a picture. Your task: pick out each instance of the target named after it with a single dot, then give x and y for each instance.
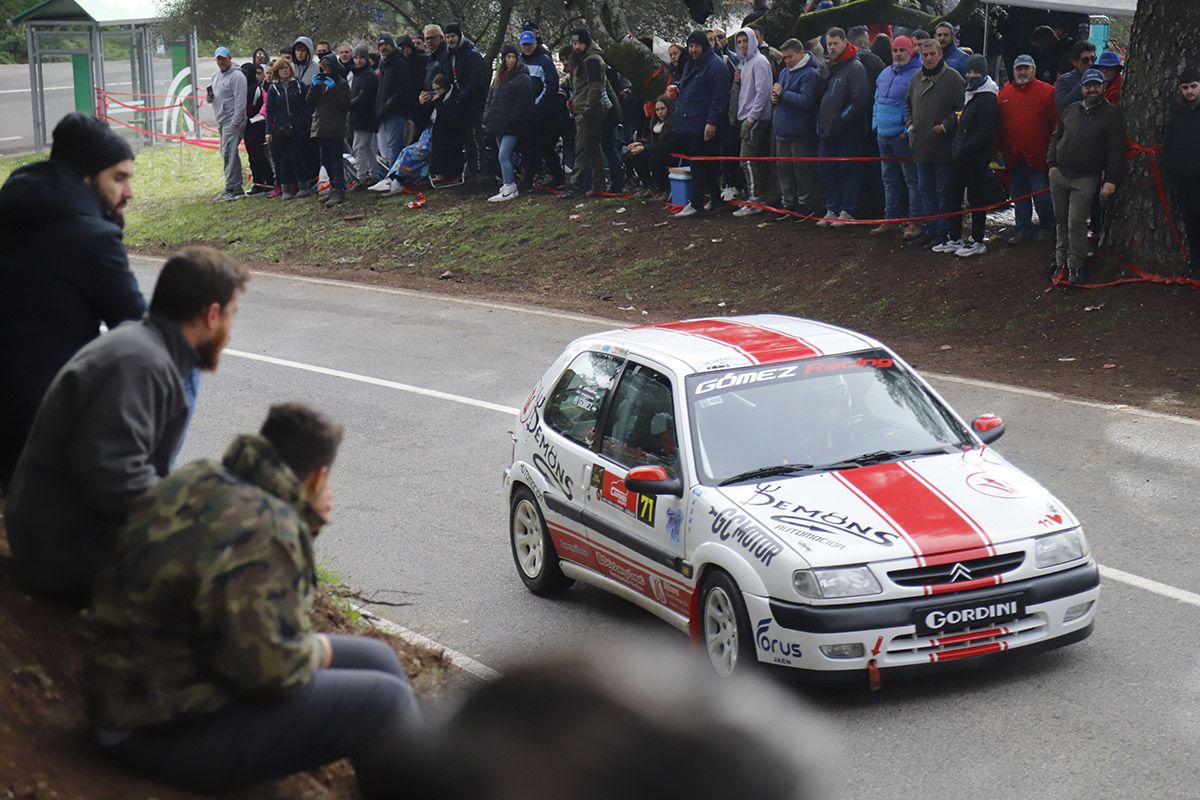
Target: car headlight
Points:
(1058, 548)
(835, 582)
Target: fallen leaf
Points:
(1066, 359)
(1110, 366)
(573, 216)
(946, 347)
(721, 304)
(624, 308)
(690, 246)
(446, 275)
(618, 222)
(621, 210)
(661, 224)
(717, 241)
(1093, 308)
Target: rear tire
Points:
(725, 626)
(533, 551)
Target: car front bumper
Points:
(890, 640)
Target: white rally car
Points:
(790, 493)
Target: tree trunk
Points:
(787, 19)
(506, 10)
(1163, 31)
(644, 70)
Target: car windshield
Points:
(836, 412)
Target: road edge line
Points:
(1152, 586)
(420, 640)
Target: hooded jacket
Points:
(587, 83)
(847, 100)
(105, 433)
(394, 96)
(890, 89)
(956, 58)
(796, 111)
(364, 92)
(703, 93)
(229, 98)
(286, 101)
(210, 605)
(330, 106)
(978, 124)
(509, 104)
(754, 96)
(305, 71)
(544, 76)
(1028, 116)
(469, 77)
(63, 272)
(933, 100)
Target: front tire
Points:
(533, 551)
(725, 626)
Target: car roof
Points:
(724, 342)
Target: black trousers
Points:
(705, 183)
(537, 149)
(360, 708)
(256, 151)
(1189, 209)
(973, 177)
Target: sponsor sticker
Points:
(969, 614)
(611, 489)
(990, 485)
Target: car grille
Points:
(967, 643)
(945, 573)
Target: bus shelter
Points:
(112, 51)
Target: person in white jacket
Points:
(227, 94)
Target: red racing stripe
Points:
(926, 519)
(760, 345)
(968, 652)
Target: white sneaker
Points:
(382, 186)
(225, 197)
(951, 246)
(394, 187)
(507, 192)
(971, 248)
(827, 220)
(728, 193)
(747, 211)
(841, 220)
(687, 211)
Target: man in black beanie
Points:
(1182, 161)
(64, 268)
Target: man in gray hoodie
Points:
(228, 97)
(754, 110)
(304, 67)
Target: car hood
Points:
(927, 507)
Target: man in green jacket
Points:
(934, 100)
(588, 104)
(205, 671)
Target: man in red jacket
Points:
(1028, 116)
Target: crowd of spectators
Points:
(907, 127)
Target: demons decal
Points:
(815, 524)
(545, 456)
(611, 489)
(732, 524)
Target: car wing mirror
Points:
(653, 481)
(988, 427)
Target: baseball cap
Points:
(1024, 60)
(386, 38)
(527, 37)
(221, 52)
(1109, 59)
(1092, 76)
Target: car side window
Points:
(573, 405)
(640, 428)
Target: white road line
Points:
(350, 376)
(57, 88)
(1166, 590)
(1146, 584)
(460, 660)
(10, 138)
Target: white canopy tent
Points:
(1112, 8)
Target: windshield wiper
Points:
(880, 456)
(767, 472)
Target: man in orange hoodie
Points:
(1028, 116)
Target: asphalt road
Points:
(16, 109)
(420, 518)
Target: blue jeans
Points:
(508, 143)
(391, 136)
(899, 178)
(1026, 179)
(331, 160)
(841, 181)
(932, 179)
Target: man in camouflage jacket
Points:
(205, 670)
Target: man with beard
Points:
(587, 105)
(1028, 116)
(110, 424)
(1182, 159)
(1086, 150)
(469, 80)
(65, 270)
(393, 98)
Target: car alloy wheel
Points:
(725, 626)
(533, 552)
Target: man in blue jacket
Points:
(899, 177)
(538, 143)
(469, 79)
(1067, 89)
(956, 59)
(796, 95)
(701, 111)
